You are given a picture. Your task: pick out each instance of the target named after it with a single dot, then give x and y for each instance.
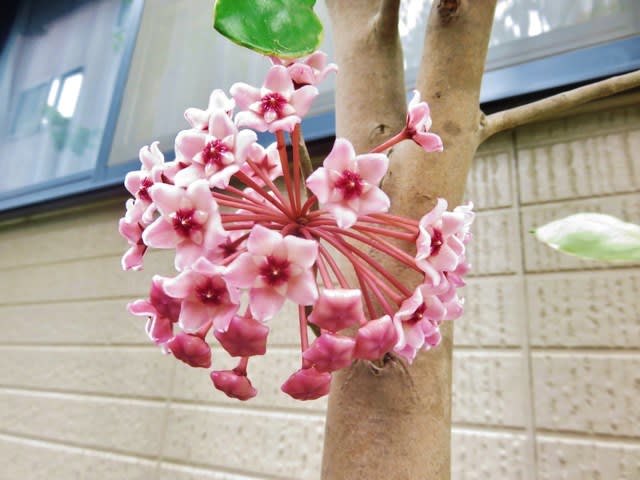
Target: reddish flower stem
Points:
(307, 205)
(241, 217)
(243, 195)
(342, 280)
(304, 337)
(295, 146)
(347, 250)
(284, 161)
(265, 178)
(387, 233)
(324, 273)
(382, 300)
(244, 178)
(403, 135)
(396, 219)
(241, 368)
(380, 245)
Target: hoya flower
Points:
(234, 383)
(131, 227)
(419, 123)
(440, 247)
(266, 159)
(161, 310)
(418, 317)
(188, 216)
(199, 119)
(337, 309)
(275, 106)
(275, 268)
(205, 296)
(347, 185)
(243, 337)
(330, 352)
(191, 349)
(309, 70)
(376, 338)
(214, 155)
(307, 384)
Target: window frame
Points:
(498, 85)
(100, 176)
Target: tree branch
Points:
(386, 20)
(550, 106)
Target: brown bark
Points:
(550, 106)
(391, 421)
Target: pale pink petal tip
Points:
(244, 337)
(191, 349)
(330, 352)
(307, 384)
(234, 384)
(376, 338)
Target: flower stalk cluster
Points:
(240, 239)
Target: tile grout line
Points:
(532, 451)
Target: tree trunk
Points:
(393, 421)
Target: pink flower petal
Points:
(191, 349)
(244, 95)
(318, 183)
(330, 352)
(160, 234)
(189, 143)
(430, 142)
(265, 303)
(300, 251)
(342, 156)
(278, 80)
(263, 241)
(337, 309)
(242, 272)
(251, 120)
(374, 201)
(372, 167)
(376, 338)
(193, 316)
(167, 198)
(244, 337)
(307, 384)
(302, 289)
(233, 384)
(220, 125)
(302, 99)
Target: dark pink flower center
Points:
(212, 292)
(436, 242)
(417, 315)
(213, 153)
(184, 223)
(143, 191)
(350, 184)
(273, 102)
(275, 271)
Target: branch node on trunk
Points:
(448, 10)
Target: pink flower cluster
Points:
(240, 240)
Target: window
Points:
(62, 73)
(66, 74)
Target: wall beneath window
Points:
(547, 365)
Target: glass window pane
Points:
(58, 83)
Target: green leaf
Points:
(281, 28)
(593, 236)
